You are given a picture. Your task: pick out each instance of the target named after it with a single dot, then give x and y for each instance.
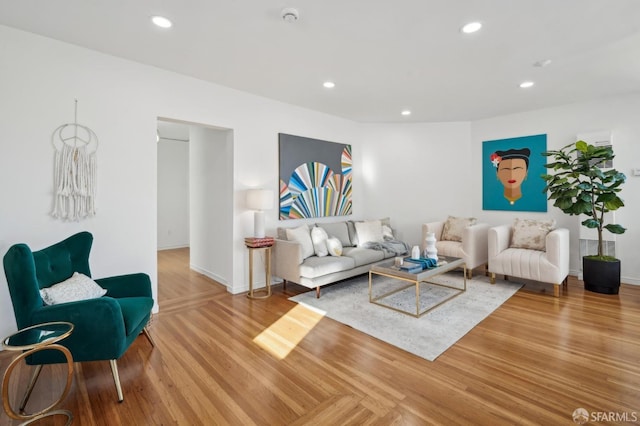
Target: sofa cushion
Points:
(315, 266)
(302, 235)
(353, 236)
(369, 231)
(363, 256)
(387, 233)
(450, 248)
(281, 233)
(454, 227)
(334, 246)
(338, 230)
(319, 239)
(531, 234)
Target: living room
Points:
(121, 101)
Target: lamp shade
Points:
(259, 199)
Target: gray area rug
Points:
(428, 336)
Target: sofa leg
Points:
(469, 273)
(116, 379)
(493, 278)
(556, 290)
(318, 292)
(284, 285)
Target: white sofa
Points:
(548, 265)
(291, 264)
(472, 248)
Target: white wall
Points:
(121, 100)
(173, 194)
(415, 173)
(211, 194)
(562, 124)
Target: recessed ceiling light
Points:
(329, 84)
(161, 21)
(405, 112)
(526, 84)
(471, 27)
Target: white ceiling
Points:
(384, 56)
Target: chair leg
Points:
(32, 383)
(284, 285)
(493, 278)
(145, 331)
(469, 273)
(318, 292)
(116, 379)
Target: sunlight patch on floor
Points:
(284, 335)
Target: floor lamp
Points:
(259, 200)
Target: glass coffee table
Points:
(40, 337)
(390, 270)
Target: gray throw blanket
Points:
(394, 247)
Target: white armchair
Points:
(472, 248)
(550, 266)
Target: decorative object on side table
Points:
(580, 186)
(259, 200)
(259, 242)
(36, 338)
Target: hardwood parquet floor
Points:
(222, 359)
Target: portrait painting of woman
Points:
(511, 174)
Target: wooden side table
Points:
(265, 292)
(39, 337)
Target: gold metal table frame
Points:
(388, 270)
(265, 292)
(48, 334)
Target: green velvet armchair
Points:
(104, 327)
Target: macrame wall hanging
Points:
(74, 169)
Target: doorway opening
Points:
(195, 195)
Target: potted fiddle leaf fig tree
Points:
(581, 185)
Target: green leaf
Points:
(591, 223)
(563, 203)
(585, 196)
(614, 204)
(582, 146)
(615, 228)
(606, 197)
(585, 186)
(581, 207)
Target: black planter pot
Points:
(601, 276)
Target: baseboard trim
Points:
(173, 247)
(217, 278)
